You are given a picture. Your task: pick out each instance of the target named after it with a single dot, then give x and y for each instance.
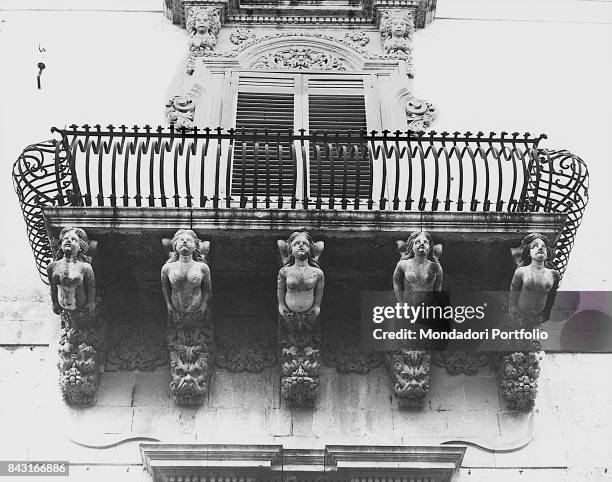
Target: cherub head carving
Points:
(421, 242)
(204, 21)
(397, 31)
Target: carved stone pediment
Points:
(182, 463)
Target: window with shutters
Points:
(330, 106)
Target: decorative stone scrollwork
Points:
(357, 37)
(518, 375)
(300, 59)
(243, 347)
(203, 25)
(186, 287)
(341, 348)
(241, 35)
(457, 362)
(180, 111)
(299, 292)
(73, 294)
(410, 371)
(397, 31)
(298, 36)
(419, 113)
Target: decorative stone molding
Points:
(357, 37)
(293, 37)
(420, 114)
(490, 225)
(300, 59)
(458, 362)
(299, 292)
(243, 345)
(360, 12)
(203, 25)
(273, 463)
(241, 35)
(410, 374)
(180, 111)
(341, 348)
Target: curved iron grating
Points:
(41, 177)
(560, 184)
(214, 169)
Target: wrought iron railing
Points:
(212, 169)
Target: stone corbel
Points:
(299, 334)
(190, 334)
(82, 342)
(410, 375)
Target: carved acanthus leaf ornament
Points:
(300, 59)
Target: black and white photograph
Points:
(305, 240)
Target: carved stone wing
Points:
(437, 251)
(516, 255)
(318, 248)
(283, 248)
(167, 244)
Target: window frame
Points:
(301, 92)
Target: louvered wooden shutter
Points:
(263, 103)
(338, 105)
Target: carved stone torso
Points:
(300, 282)
(70, 277)
(419, 279)
(202, 41)
(536, 284)
(186, 282)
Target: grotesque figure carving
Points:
(300, 374)
(190, 371)
(532, 294)
(73, 294)
(203, 25)
(300, 292)
(186, 287)
(410, 370)
(397, 31)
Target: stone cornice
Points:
(205, 220)
(179, 463)
(337, 12)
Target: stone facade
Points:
(135, 407)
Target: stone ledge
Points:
(206, 220)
